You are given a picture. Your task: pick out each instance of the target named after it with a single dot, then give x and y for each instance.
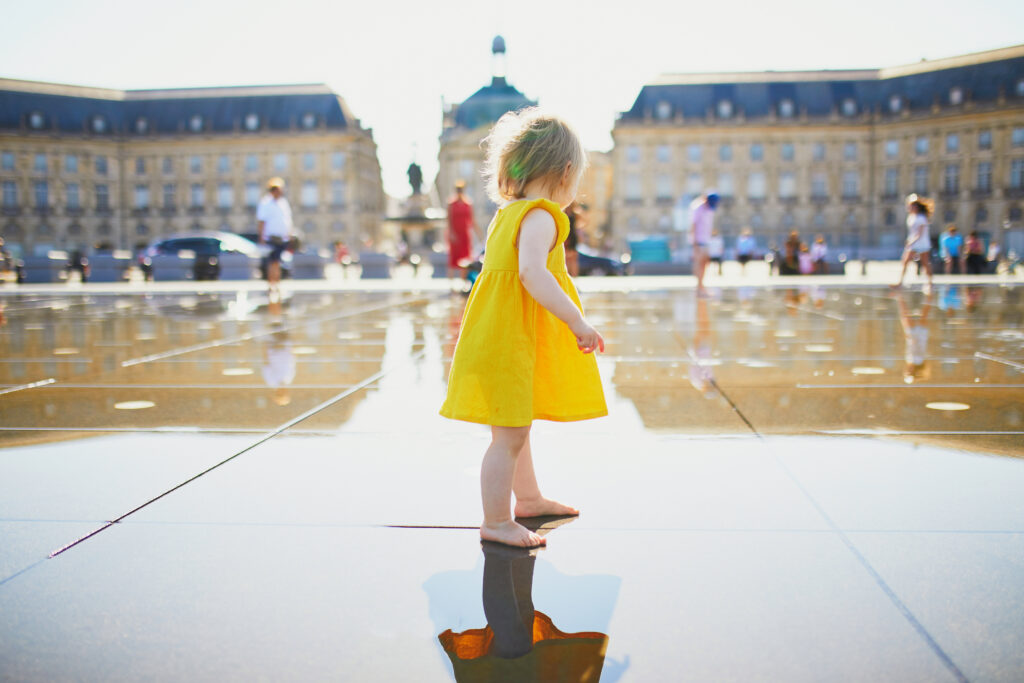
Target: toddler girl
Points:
(524, 350)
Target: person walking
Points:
(274, 224)
(819, 255)
(702, 217)
(919, 243)
(975, 250)
(716, 249)
(525, 352)
(461, 225)
(790, 264)
(745, 248)
(951, 249)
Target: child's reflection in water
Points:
(520, 643)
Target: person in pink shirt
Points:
(702, 223)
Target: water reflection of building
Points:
(832, 152)
(84, 165)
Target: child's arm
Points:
(536, 236)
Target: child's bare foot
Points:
(511, 533)
(537, 507)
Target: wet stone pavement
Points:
(807, 484)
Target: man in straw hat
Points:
(274, 221)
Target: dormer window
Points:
(1020, 87)
(663, 111)
(195, 124)
(99, 124)
(787, 109)
(956, 96)
(252, 122)
(725, 109)
(35, 120)
(308, 120)
(895, 104)
(141, 125)
(849, 107)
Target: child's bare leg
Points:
(529, 501)
(496, 475)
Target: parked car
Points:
(286, 256)
(592, 264)
(207, 247)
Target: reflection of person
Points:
(519, 643)
(745, 248)
(951, 246)
(701, 375)
(915, 336)
(702, 218)
(525, 351)
(279, 370)
(461, 225)
(919, 243)
(274, 223)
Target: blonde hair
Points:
(923, 204)
(528, 145)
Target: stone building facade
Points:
(81, 166)
(832, 152)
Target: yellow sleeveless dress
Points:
(515, 362)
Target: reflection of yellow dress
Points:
(556, 656)
(516, 362)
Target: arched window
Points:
(724, 109)
(195, 123)
(895, 104)
(956, 95)
(309, 120)
(787, 109)
(849, 107)
(99, 124)
(141, 125)
(36, 120)
(252, 122)
(663, 111)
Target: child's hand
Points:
(588, 339)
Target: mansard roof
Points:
(72, 109)
(487, 104)
(983, 77)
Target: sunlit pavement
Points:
(815, 480)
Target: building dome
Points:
(498, 46)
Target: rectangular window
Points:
(102, 197)
(308, 161)
(892, 182)
(694, 184)
(74, 196)
(985, 139)
(664, 154)
(787, 185)
(952, 143)
(850, 151)
(756, 186)
(223, 164)
(101, 165)
(1017, 174)
(140, 166)
(725, 153)
(168, 165)
(309, 197)
(921, 145)
(851, 184)
(42, 193)
(195, 164)
(892, 149)
(280, 163)
(170, 190)
(663, 186)
(10, 194)
(921, 180)
(141, 196)
(634, 191)
(71, 163)
(338, 193)
(757, 152)
(197, 195)
(693, 153)
(632, 154)
(985, 176)
(818, 151)
(337, 160)
(252, 195)
(7, 161)
(951, 179)
(252, 163)
(788, 151)
(1017, 137)
(39, 165)
(819, 186)
(225, 196)
(725, 186)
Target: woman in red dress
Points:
(460, 230)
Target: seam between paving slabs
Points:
(922, 632)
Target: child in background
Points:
(805, 260)
(525, 351)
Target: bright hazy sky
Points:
(394, 60)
